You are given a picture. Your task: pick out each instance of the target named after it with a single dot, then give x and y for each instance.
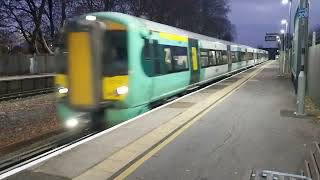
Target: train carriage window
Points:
(224, 57)
(234, 56)
(219, 57)
(151, 51)
(249, 56)
(204, 58)
(213, 58)
(242, 56)
(175, 58)
(168, 59)
(152, 64)
(179, 58)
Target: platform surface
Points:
(252, 129)
(248, 126)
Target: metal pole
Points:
(286, 59)
(289, 39)
(303, 41)
(281, 43)
(314, 37)
(290, 7)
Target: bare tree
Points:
(39, 21)
(25, 17)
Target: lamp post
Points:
(285, 2)
(282, 43)
(289, 37)
(286, 47)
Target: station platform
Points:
(222, 132)
(22, 77)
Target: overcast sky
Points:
(254, 18)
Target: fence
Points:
(314, 73)
(26, 64)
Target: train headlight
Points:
(122, 90)
(71, 123)
(63, 90)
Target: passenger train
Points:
(117, 66)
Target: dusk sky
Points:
(254, 18)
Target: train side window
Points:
(212, 58)
(148, 49)
(224, 57)
(175, 58)
(179, 58)
(242, 56)
(219, 57)
(151, 49)
(168, 59)
(250, 56)
(152, 64)
(204, 58)
(233, 57)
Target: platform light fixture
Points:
(91, 18)
(284, 21)
(282, 31)
(285, 2)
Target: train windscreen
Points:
(115, 53)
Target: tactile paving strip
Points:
(273, 175)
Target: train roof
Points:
(154, 26)
(169, 29)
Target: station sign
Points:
(271, 38)
(272, 34)
(303, 13)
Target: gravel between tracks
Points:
(27, 118)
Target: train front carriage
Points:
(102, 78)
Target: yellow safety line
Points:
(139, 162)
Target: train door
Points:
(229, 58)
(193, 54)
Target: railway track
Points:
(23, 94)
(41, 149)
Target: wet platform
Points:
(243, 123)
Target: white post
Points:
(301, 94)
(303, 41)
(314, 35)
